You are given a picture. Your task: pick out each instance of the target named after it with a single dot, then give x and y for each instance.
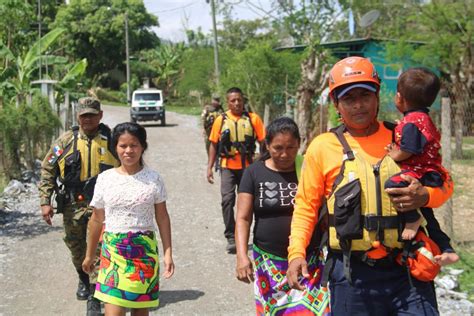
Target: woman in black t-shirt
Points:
(267, 190)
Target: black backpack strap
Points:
(107, 132)
(224, 117)
(409, 248)
(75, 132)
(390, 126)
(320, 239)
(249, 152)
(345, 244)
(66, 149)
(220, 146)
(247, 114)
(339, 131)
(328, 268)
(346, 258)
(347, 150)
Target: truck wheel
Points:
(133, 120)
(163, 121)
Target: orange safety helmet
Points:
(352, 70)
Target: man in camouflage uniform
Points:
(208, 116)
(70, 169)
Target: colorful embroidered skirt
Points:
(129, 270)
(274, 296)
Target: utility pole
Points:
(216, 51)
(127, 56)
(39, 37)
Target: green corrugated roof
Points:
(354, 41)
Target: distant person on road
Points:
(416, 148)
(233, 137)
(129, 199)
(267, 191)
(74, 161)
(208, 116)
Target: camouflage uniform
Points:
(208, 116)
(75, 210)
(75, 214)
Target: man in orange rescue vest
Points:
(233, 138)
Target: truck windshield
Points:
(147, 97)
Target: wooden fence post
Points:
(446, 210)
(266, 115)
(2, 168)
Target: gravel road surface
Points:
(38, 278)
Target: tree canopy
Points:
(96, 31)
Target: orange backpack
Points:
(418, 255)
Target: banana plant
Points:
(69, 80)
(165, 61)
(18, 74)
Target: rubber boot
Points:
(83, 291)
(93, 304)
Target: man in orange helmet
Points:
(341, 180)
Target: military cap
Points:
(88, 105)
(215, 96)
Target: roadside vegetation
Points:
(184, 109)
(466, 279)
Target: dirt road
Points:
(38, 278)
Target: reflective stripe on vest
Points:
(428, 254)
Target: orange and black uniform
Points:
(232, 168)
(378, 286)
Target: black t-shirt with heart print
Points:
(274, 197)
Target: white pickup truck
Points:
(148, 105)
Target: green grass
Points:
(467, 157)
(466, 279)
(467, 140)
(464, 162)
(189, 110)
(467, 152)
(114, 103)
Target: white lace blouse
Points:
(129, 200)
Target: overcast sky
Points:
(173, 15)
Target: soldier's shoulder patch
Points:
(52, 158)
(57, 150)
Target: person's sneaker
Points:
(93, 307)
(82, 292)
(230, 248)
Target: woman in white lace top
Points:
(128, 200)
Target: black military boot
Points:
(230, 248)
(83, 292)
(93, 304)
